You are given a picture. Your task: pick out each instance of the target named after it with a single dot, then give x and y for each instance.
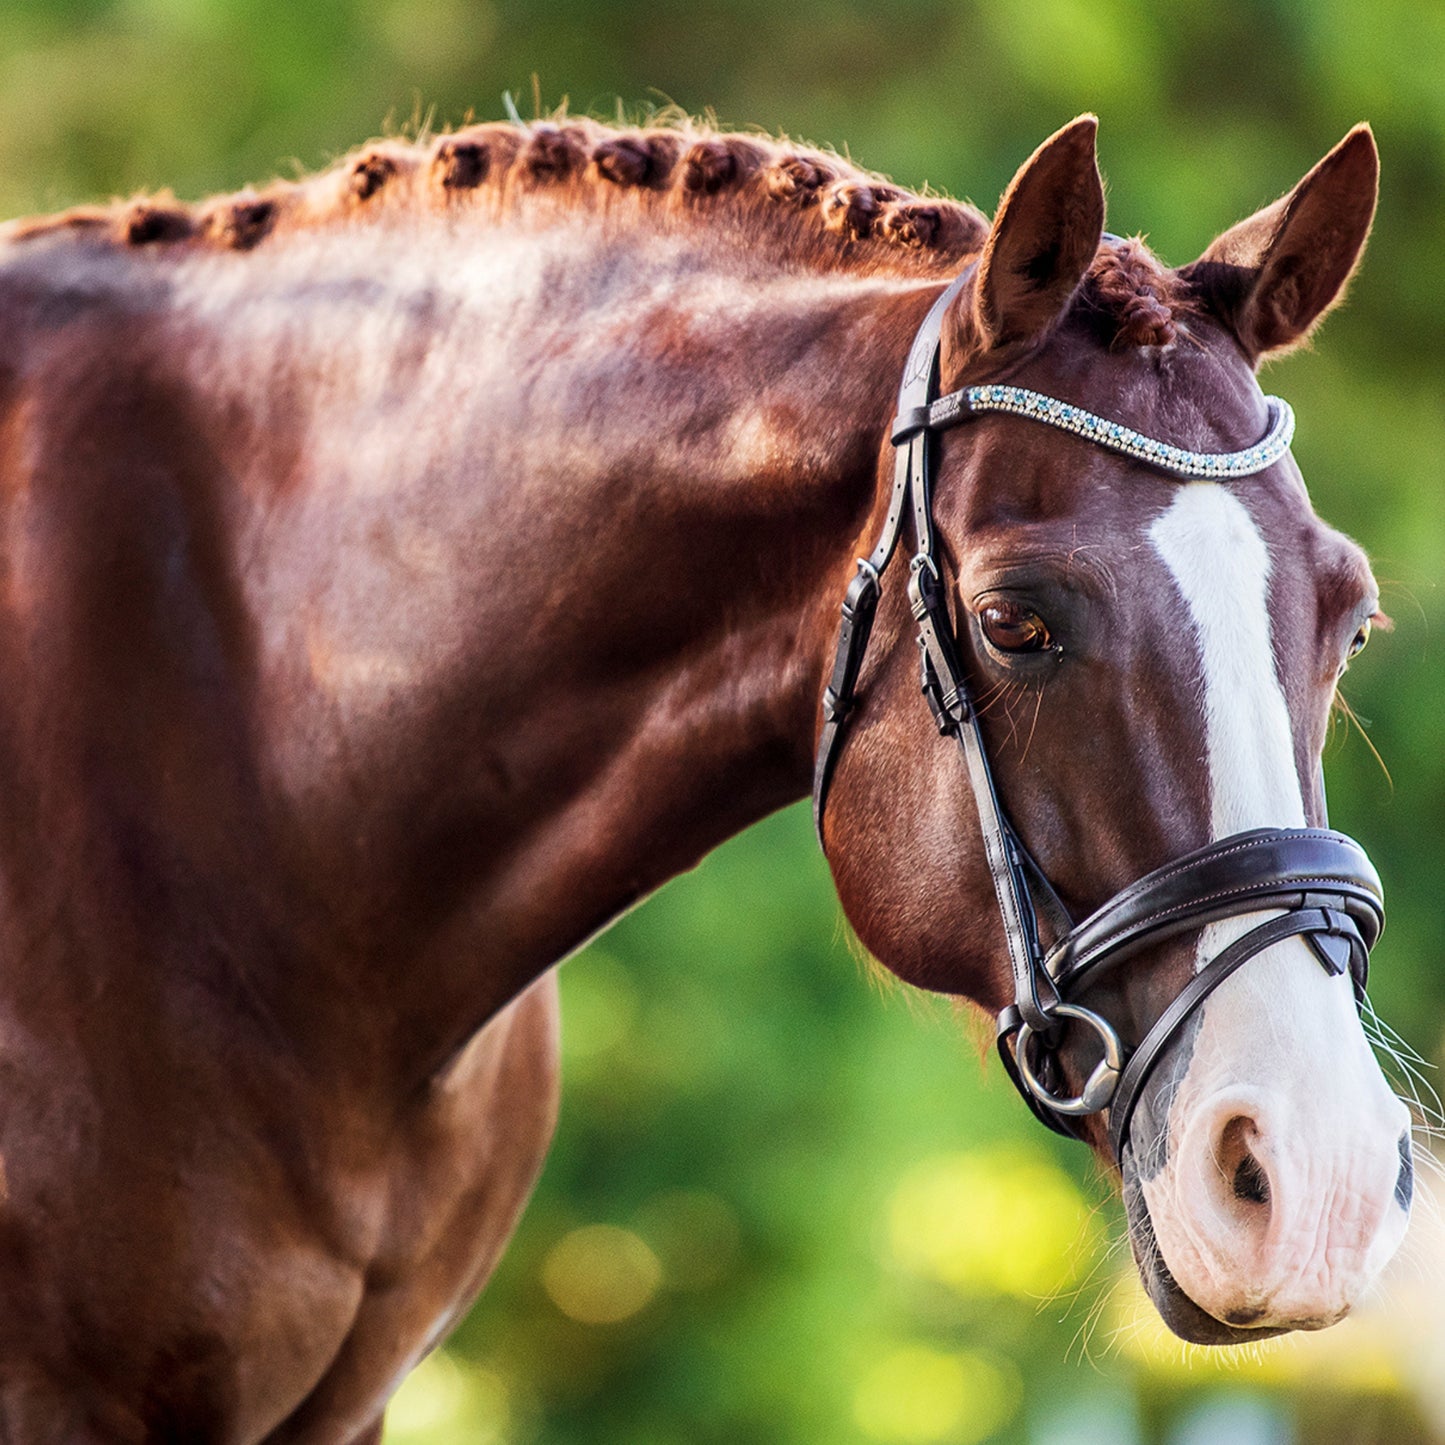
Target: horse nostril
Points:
(1250, 1182)
(1238, 1162)
(1405, 1180)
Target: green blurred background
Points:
(786, 1205)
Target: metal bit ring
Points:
(1102, 1082)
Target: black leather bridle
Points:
(1314, 882)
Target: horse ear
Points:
(1272, 277)
(1045, 235)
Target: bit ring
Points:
(1098, 1092)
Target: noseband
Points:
(1316, 883)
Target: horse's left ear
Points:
(1272, 277)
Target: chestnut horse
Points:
(407, 569)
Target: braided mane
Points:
(812, 204)
(840, 216)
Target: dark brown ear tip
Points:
(1354, 163)
(1073, 149)
(1359, 146)
(1081, 133)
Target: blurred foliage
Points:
(785, 1205)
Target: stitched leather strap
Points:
(946, 689)
(1309, 922)
(1244, 873)
(1323, 880)
(920, 376)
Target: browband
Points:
(1113, 436)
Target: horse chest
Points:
(265, 1283)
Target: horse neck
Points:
(544, 537)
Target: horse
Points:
(408, 568)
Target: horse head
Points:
(1151, 657)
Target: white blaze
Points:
(1280, 1053)
(1221, 565)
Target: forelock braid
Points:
(1130, 289)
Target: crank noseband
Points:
(1309, 883)
(1312, 883)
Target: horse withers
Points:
(408, 568)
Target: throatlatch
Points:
(1322, 882)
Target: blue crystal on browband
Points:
(1112, 435)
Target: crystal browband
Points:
(1114, 436)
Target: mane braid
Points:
(1132, 299)
(813, 204)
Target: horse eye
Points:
(1361, 638)
(1012, 628)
